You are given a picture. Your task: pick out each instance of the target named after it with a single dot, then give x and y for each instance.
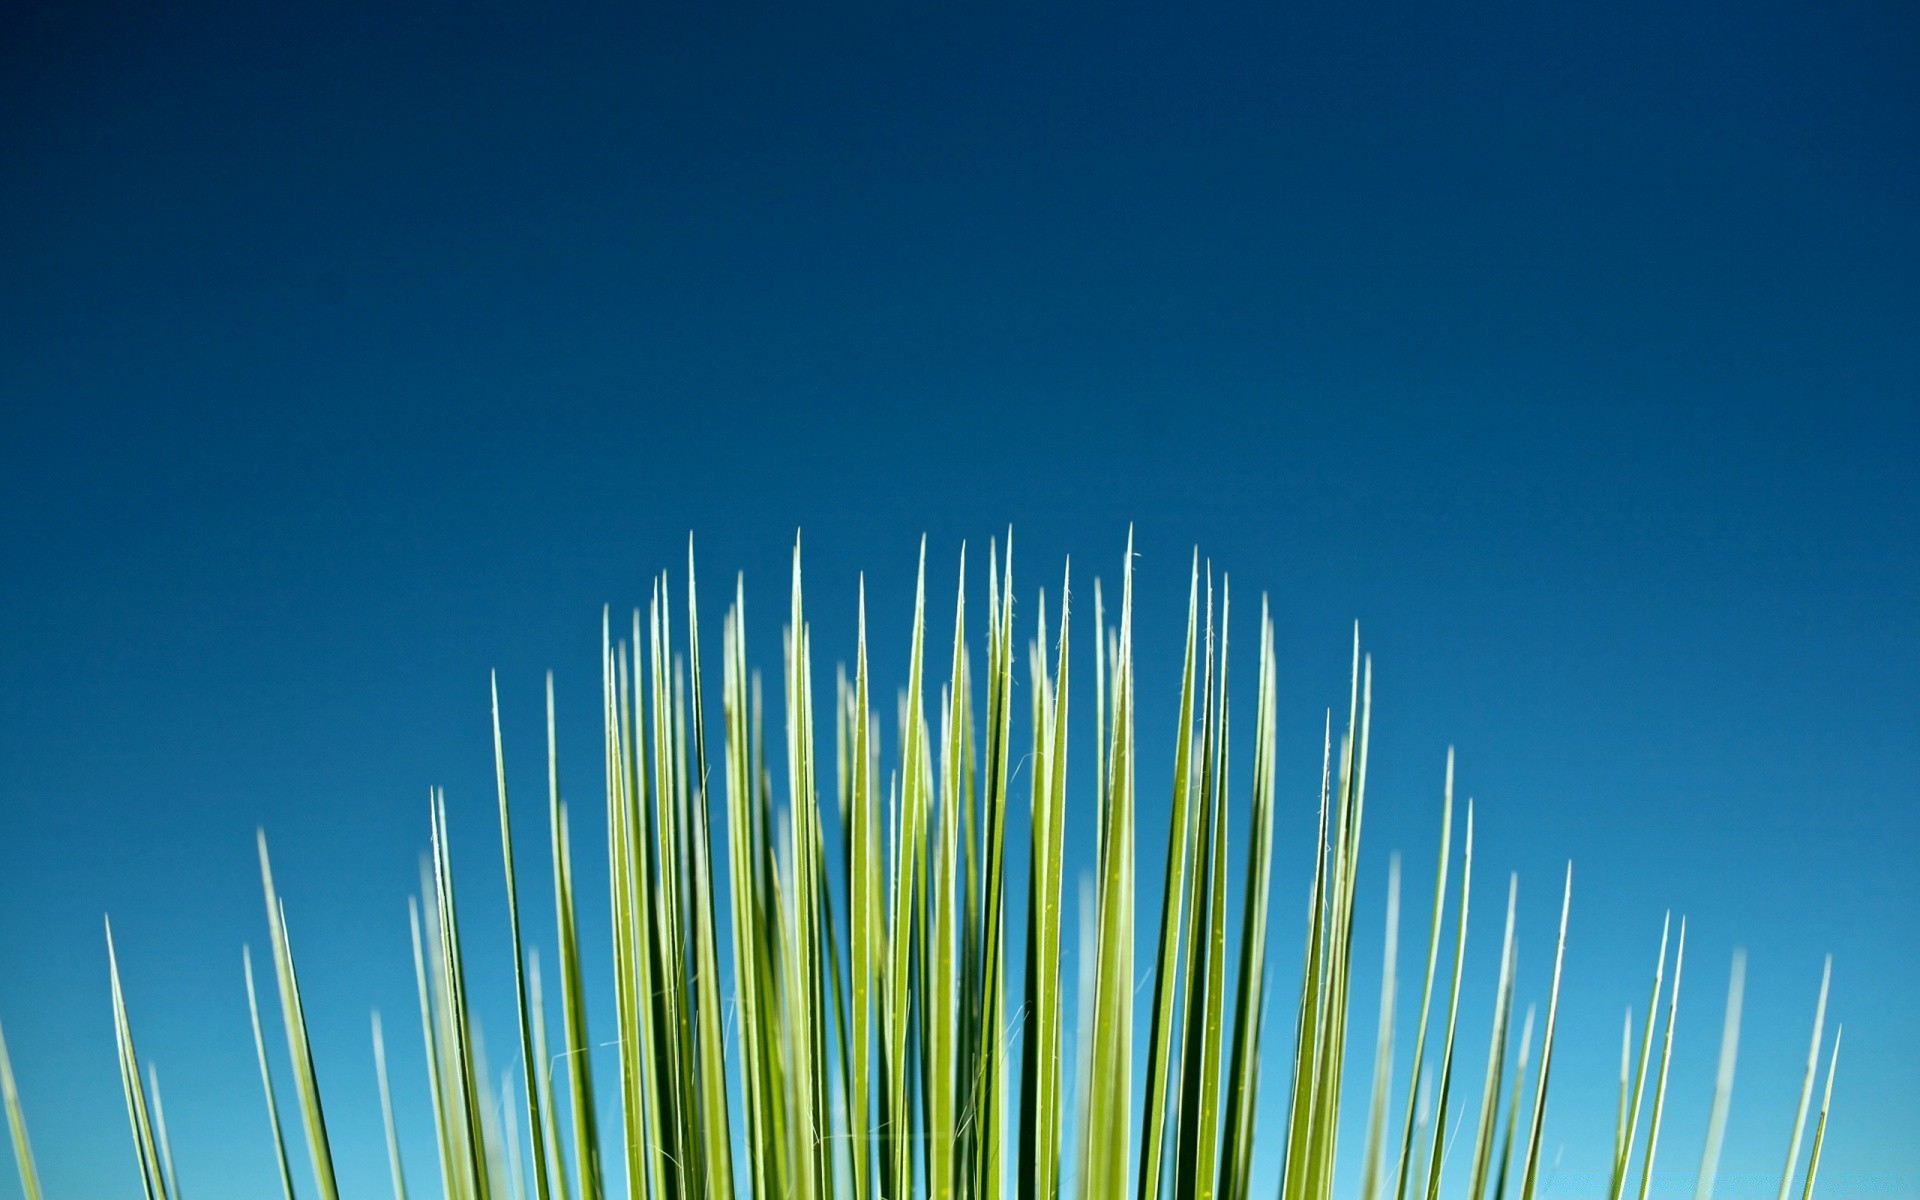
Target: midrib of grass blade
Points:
(1666, 1057)
(1496, 1054)
(17, 1126)
(1371, 1164)
(152, 1175)
(519, 955)
(1630, 1110)
(386, 1110)
(1426, 990)
(1166, 970)
(1723, 1079)
(1806, 1086)
(1820, 1126)
(306, 1081)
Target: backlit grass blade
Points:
(1820, 1126)
(1666, 1057)
(1435, 1154)
(139, 1120)
(519, 955)
(1806, 1086)
(1154, 1121)
(1529, 1175)
(1630, 1109)
(17, 1126)
(1496, 1055)
(299, 1051)
(1426, 990)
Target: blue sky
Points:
(348, 353)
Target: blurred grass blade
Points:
(1723, 1079)
(17, 1126)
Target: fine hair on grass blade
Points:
(1723, 1079)
(17, 1126)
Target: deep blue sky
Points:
(1574, 349)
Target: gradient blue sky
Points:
(349, 352)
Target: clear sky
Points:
(349, 352)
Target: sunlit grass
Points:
(874, 1014)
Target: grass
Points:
(872, 1023)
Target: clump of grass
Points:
(873, 1015)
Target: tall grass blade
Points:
(17, 1126)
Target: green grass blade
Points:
(1820, 1126)
(1806, 1086)
(1536, 1127)
(139, 1120)
(299, 1051)
(1666, 1057)
(519, 955)
(1383, 1044)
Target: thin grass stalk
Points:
(1820, 1126)
(386, 1110)
(266, 1077)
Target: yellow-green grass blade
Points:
(1820, 1126)
(1722, 1080)
(1426, 990)
(1630, 1108)
(1529, 1176)
(519, 955)
(139, 1118)
(712, 1056)
(1666, 1057)
(1435, 1154)
(1513, 1106)
(17, 1126)
(1166, 971)
(1306, 1047)
(1109, 1099)
(468, 1081)
(430, 1038)
(575, 1045)
(1371, 1168)
(1196, 1148)
(988, 1112)
(299, 1051)
(386, 1110)
(550, 1121)
(1806, 1086)
(944, 982)
(906, 850)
